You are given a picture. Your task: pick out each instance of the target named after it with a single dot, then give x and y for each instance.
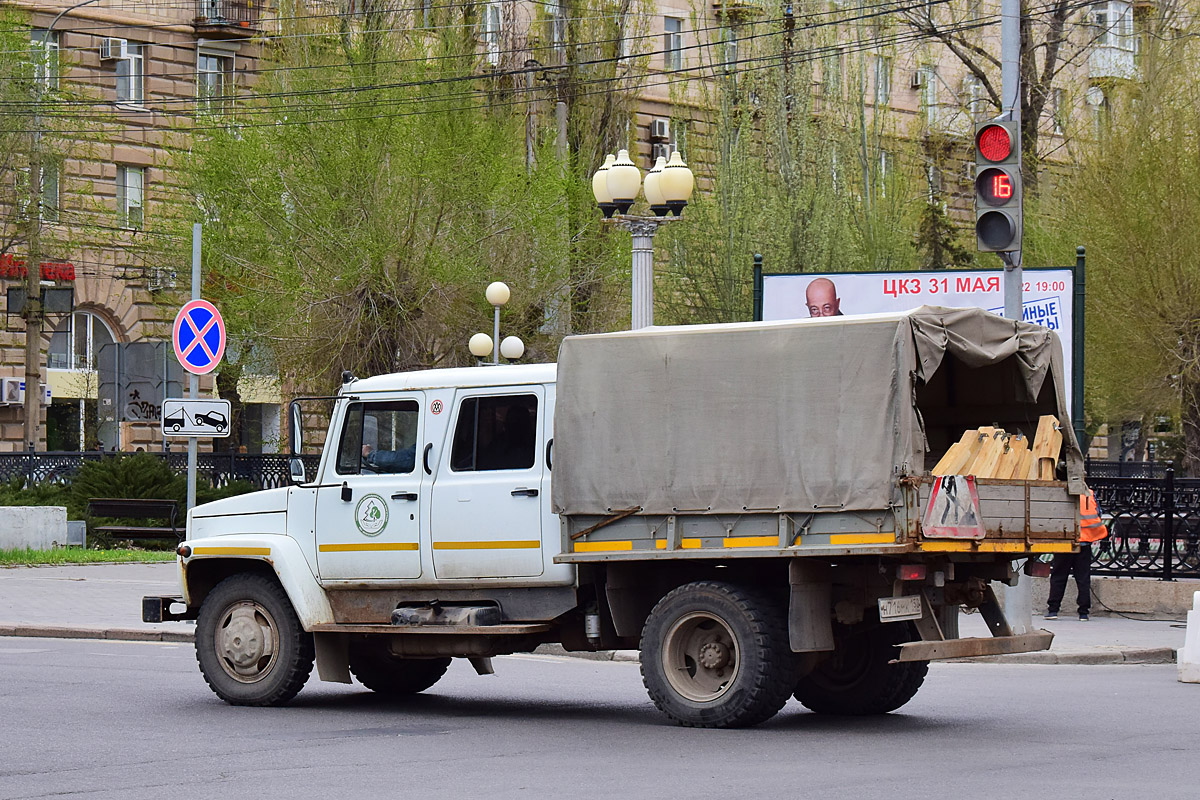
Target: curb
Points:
(1152, 655)
(115, 634)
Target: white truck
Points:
(743, 503)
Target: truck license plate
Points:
(898, 609)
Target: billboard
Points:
(1047, 295)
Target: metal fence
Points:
(228, 12)
(263, 470)
(1126, 469)
(1153, 526)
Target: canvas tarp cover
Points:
(802, 416)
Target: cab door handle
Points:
(405, 496)
(425, 458)
(524, 492)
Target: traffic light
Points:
(998, 186)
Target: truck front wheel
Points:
(716, 655)
(857, 679)
(250, 645)
(376, 668)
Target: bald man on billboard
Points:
(822, 300)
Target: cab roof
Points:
(456, 377)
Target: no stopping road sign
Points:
(199, 337)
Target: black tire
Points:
(250, 645)
(742, 635)
(389, 675)
(857, 679)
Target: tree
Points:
(1054, 42)
(1132, 201)
(814, 182)
(376, 181)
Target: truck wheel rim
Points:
(246, 641)
(700, 657)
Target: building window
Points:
(883, 79)
(45, 58)
(1114, 25)
(679, 138)
(214, 82)
(50, 192)
(77, 341)
(672, 43)
(624, 46)
(131, 75)
(1057, 111)
(491, 32)
(929, 92)
(976, 97)
(131, 184)
(556, 19)
(729, 50)
(885, 171)
(831, 77)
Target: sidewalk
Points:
(104, 601)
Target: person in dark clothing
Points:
(1060, 572)
(1091, 529)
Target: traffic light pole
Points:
(1018, 600)
(1010, 87)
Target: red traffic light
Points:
(994, 186)
(993, 143)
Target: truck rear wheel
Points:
(389, 675)
(857, 679)
(250, 645)
(716, 655)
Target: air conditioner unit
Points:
(663, 150)
(160, 279)
(660, 128)
(918, 79)
(10, 391)
(113, 49)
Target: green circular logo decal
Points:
(371, 514)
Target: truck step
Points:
(443, 630)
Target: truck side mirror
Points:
(296, 469)
(295, 432)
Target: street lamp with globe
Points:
(480, 345)
(668, 188)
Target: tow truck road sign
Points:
(195, 417)
(199, 337)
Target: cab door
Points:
(368, 517)
(486, 510)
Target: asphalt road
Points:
(98, 719)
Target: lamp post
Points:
(668, 187)
(481, 344)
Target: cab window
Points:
(379, 438)
(495, 433)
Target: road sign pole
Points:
(193, 378)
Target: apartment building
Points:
(122, 86)
(147, 71)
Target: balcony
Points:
(228, 19)
(1106, 63)
(737, 11)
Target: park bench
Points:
(136, 508)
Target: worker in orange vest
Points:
(1091, 529)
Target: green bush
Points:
(138, 475)
(14, 493)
